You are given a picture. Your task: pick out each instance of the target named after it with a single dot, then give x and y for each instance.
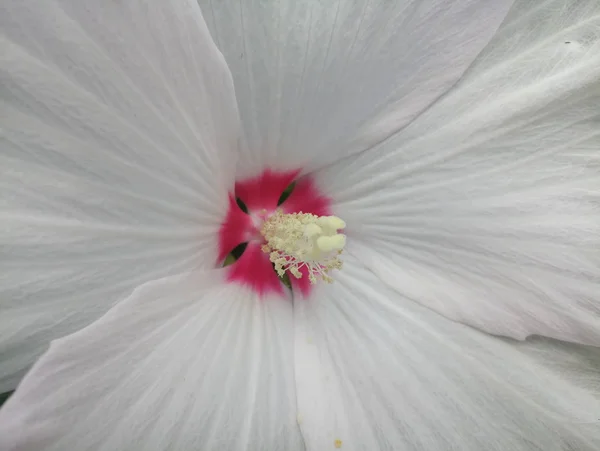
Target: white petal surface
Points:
(376, 371)
(319, 80)
(185, 363)
(486, 208)
(118, 126)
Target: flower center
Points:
(304, 240)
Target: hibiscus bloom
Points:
(443, 157)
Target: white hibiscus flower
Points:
(444, 159)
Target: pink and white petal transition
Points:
(485, 208)
(320, 80)
(187, 362)
(120, 132)
(377, 371)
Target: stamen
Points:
(304, 240)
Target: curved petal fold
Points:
(377, 371)
(186, 362)
(485, 208)
(321, 80)
(119, 129)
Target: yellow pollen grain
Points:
(337, 443)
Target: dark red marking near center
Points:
(263, 192)
(253, 269)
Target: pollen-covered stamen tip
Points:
(304, 240)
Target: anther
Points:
(303, 240)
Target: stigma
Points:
(303, 240)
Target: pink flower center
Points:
(261, 196)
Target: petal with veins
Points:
(119, 125)
(187, 362)
(486, 208)
(320, 80)
(377, 371)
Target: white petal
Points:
(486, 207)
(379, 372)
(186, 363)
(119, 127)
(317, 81)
